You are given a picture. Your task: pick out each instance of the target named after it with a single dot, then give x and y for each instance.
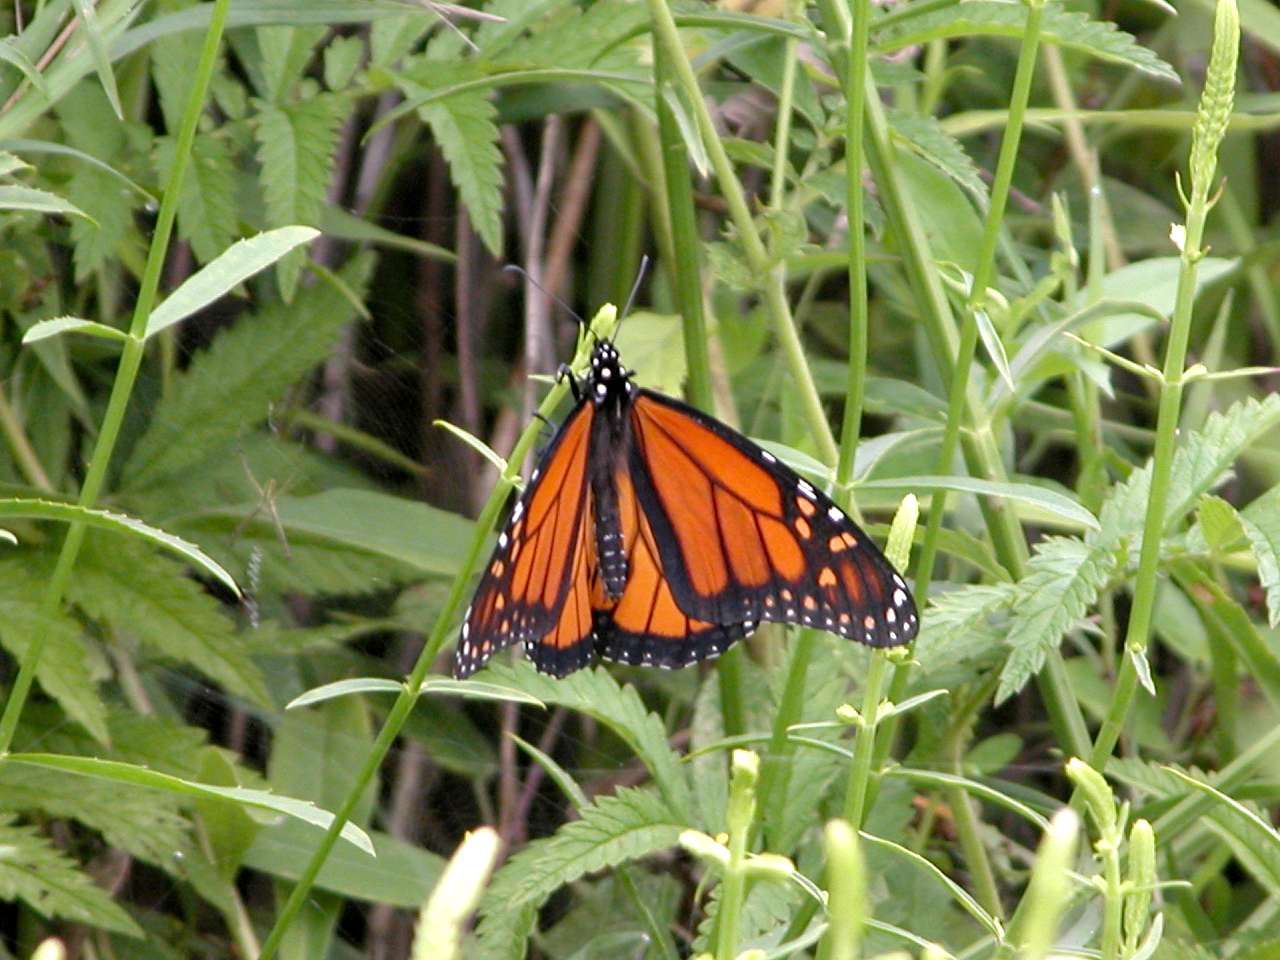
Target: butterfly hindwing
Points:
(743, 538)
(645, 626)
(541, 561)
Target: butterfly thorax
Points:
(610, 390)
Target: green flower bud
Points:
(1142, 879)
(1097, 795)
(898, 548)
(1216, 100)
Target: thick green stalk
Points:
(758, 258)
(126, 374)
(740, 814)
(846, 892)
(1211, 122)
(601, 327)
(855, 795)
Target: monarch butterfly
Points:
(652, 534)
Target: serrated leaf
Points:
(463, 126)
(957, 632)
(341, 60)
(232, 267)
(64, 671)
(231, 387)
(1219, 523)
(1201, 463)
(116, 772)
(1074, 31)
(208, 214)
(925, 136)
(142, 594)
(596, 693)
(1061, 583)
(613, 830)
(1261, 522)
(108, 206)
(37, 873)
(295, 155)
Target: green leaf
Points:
(1074, 31)
(1261, 522)
(236, 264)
(108, 219)
(653, 344)
(145, 595)
(295, 155)
(613, 830)
(1061, 582)
(924, 136)
(14, 197)
(375, 523)
(147, 826)
(957, 635)
(101, 56)
(402, 874)
(341, 60)
(44, 329)
(336, 222)
(65, 671)
(105, 520)
(596, 693)
(36, 872)
(1251, 837)
(208, 214)
(230, 388)
(1219, 523)
(1201, 463)
(467, 689)
(958, 893)
(463, 126)
(12, 54)
(116, 772)
(1050, 501)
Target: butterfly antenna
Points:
(516, 268)
(635, 290)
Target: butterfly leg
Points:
(566, 373)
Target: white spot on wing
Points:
(835, 514)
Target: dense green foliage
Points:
(257, 351)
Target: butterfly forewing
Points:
(541, 556)
(743, 538)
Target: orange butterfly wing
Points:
(742, 538)
(536, 587)
(645, 626)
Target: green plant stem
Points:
(758, 258)
(782, 136)
(740, 814)
(857, 789)
(126, 375)
(1146, 583)
(984, 271)
(601, 328)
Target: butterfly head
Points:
(609, 382)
